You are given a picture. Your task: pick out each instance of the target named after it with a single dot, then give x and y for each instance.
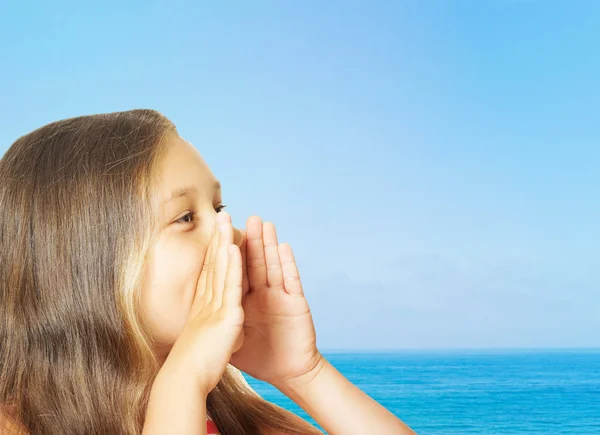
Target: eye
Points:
(188, 218)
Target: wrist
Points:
(299, 383)
(178, 376)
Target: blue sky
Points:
(434, 164)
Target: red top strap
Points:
(211, 428)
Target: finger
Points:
(199, 298)
(221, 261)
(242, 243)
(255, 253)
(210, 264)
(274, 272)
(291, 276)
(232, 293)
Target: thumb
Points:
(239, 342)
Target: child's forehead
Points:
(182, 171)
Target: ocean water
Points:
(475, 392)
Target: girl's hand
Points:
(214, 329)
(280, 343)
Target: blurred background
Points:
(434, 164)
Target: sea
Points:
(486, 392)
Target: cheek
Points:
(171, 279)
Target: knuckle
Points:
(217, 275)
(255, 263)
(231, 286)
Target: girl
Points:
(129, 304)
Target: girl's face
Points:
(190, 198)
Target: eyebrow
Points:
(187, 190)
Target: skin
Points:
(176, 261)
(279, 340)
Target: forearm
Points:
(340, 407)
(177, 405)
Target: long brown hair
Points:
(75, 232)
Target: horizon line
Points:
(438, 349)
